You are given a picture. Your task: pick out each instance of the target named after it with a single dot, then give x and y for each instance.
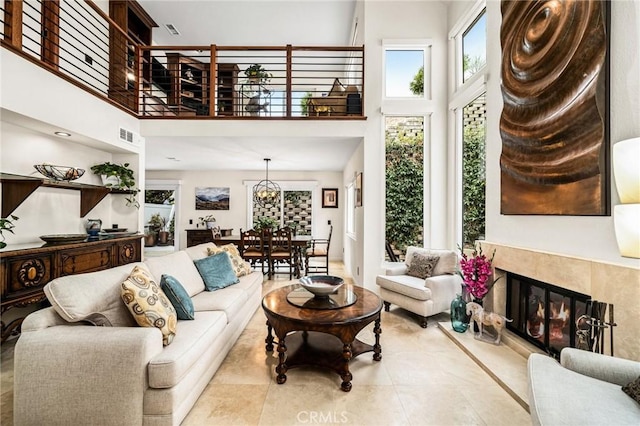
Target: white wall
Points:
(236, 216)
(354, 244)
(581, 236)
(386, 20)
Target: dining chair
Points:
(253, 248)
(318, 248)
(281, 251)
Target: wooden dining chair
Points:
(318, 248)
(253, 248)
(281, 251)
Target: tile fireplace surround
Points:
(604, 282)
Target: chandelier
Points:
(266, 192)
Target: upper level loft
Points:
(111, 56)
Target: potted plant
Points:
(257, 73)
(6, 224)
(209, 221)
(118, 176)
(265, 223)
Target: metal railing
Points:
(82, 44)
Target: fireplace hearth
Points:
(543, 313)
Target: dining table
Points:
(298, 242)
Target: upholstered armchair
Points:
(425, 290)
(340, 101)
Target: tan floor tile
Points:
(222, 404)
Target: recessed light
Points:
(65, 134)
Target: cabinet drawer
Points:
(85, 260)
(26, 274)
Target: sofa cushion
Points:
(178, 297)
(199, 251)
(148, 304)
(446, 265)
(180, 266)
(249, 283)
(216, 271)
(230, 300)
(405, 284)
(422, 265)
(240, 266)
(192, 337)
(93, 297)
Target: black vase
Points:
(476, 329)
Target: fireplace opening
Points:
(543, 313)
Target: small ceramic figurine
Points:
(483, 318)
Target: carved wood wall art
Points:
(554, 123)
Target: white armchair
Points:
(422, 296)
(585, 388)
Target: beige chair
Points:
(318, 249)
(422, 296)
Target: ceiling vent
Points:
(172, 29)
(129, 136)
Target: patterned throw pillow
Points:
(633, 389)
(148, 304)
(216, 271)
(422, 265)
(240, 267)
(178, 297)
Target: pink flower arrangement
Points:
(476, 273)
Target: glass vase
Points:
(459, 317)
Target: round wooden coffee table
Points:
(321, 336)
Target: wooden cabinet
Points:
(25, 271)
(123, 66)
(227, 89)
(199, 236)
(189, 93)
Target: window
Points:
(469, 107)
(296, 207)
(351, 209)
(404, 177)
(474, 47)
(406, 69)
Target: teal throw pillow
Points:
(216, 271)
(178, 297)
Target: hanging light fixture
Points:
(266, 192)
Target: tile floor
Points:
(424, 378)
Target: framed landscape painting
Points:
(212, 198)
(554, 124)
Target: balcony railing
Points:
(82, 44)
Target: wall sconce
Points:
(626, 216)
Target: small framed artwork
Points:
(330, 198)
(359, 190)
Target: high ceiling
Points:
(250, 23)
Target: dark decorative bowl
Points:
(62, 173)
(321, 285)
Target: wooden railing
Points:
(84, 45)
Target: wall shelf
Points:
(17, 188)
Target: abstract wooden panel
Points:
(554, 123)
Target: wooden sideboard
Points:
(201, 236)
(25, 269)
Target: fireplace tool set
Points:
(590, 327)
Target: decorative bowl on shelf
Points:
(321, 285)
(63, 238)
(62, 173)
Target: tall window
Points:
(469, 106)
(295, 209)
(404, 161)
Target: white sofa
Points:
(585, 388)
(69, 372)
(423, 297)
